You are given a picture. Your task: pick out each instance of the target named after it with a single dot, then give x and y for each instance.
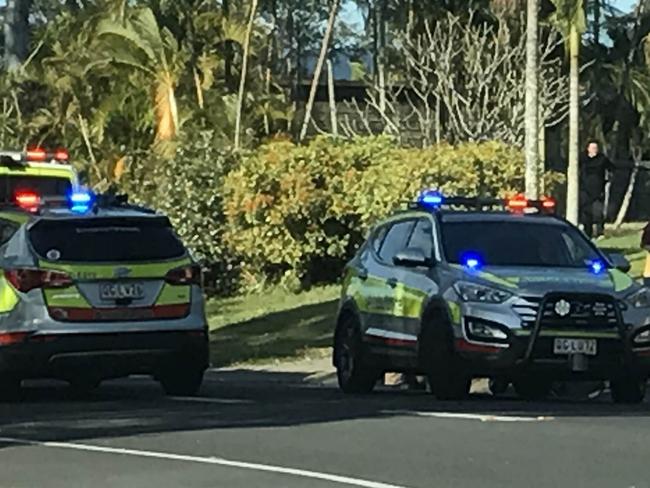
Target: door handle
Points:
(392, 282)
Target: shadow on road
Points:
(244, 399)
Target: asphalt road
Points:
(270, 430)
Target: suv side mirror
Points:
(620, 262)
(412, 257)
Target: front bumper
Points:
(531, 350)
(104, 355)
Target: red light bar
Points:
(36, 154)
(40, 155)
(27, 200)
(518, 203)
(548, 203)
(62, 154)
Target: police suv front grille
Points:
(527, 308)
(572, 312)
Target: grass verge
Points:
(274, 325)
(627, 240)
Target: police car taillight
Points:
(27, 200)
(185, 275)
(26, 279)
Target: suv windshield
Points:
(106, 240)
(45, 186)
(518, 244)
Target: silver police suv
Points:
(460, 288)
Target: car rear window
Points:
(42, 185)
(106, 240)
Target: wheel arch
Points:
(348, 308)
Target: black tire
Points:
(10, 388)
(532, 389)
(498, 386)
(445, 370)
(354, 374)
(182, 382)
(629, 390)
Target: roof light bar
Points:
(37, 154)
(81, 201)
(433, 200)
(41, 155)
(430, 199)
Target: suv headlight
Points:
(640, 298)
(472, 292)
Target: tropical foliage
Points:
(152, 95)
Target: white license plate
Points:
(117, 291)
(575, 346)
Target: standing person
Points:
(645, 244)
(595, 168)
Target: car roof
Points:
(121, 212)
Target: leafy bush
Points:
(188, 188)
(297, 212)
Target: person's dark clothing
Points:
(593, 176)
(592, 213)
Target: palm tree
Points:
(531, 117)
(569, 17)
(138, 42)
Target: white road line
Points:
(344, 480)
(223, 401)
(469, 416)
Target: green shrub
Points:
(188, 188)
(297, 212)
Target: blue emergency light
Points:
(597, 266)
(471, 261)
(430, 199)
(81, 201)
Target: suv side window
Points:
(378, 237)
(395, 240)
(422, 237)
(7, 230)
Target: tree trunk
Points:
(16, 33)
(244, 70)
(229, 53)
(381, 67)
(319, 68)
(332, 99)
(627, 198)
(531, 115)
(573, 172)
(597, 12)
(166, 112)
(541, 167)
